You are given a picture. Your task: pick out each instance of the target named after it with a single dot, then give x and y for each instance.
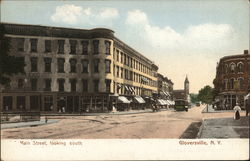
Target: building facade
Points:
(232, 80)
(165, 87)
(73, 67)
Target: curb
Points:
(108, 113)
(200, 129)
(31, 125)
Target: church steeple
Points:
(186, 85)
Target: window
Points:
(131, 75)
(117, 55)
(108, 82)
(33, 45)
(96, 65)
(20, 83)
(33, 61)
(72, 46)
(125, 59)
(72, 65)
(85, 47)
(232, 68)
(60, 46)
(33, 82)
(107, 47)
(48, 103)
(60, 64)
(107, 66)
(231, 83)
(20, 44)
(121, 72)
(85, 65)
(241, 83)
(96, 46)
(20, 102)
(73, 85)
(61, 85)
(121, 57)
(47, 64)
(47, 46)
(96, 85)
(240, 67)
(47, 84)
(226, 69)
(85, 85)
(117, 71)
(126, 74)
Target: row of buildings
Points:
(76, 70)
(232, 82)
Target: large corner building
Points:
(232, 81)
(74, 68)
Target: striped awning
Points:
(139, 99)
(123, 99)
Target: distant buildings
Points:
(74, 69)
(232, 80)
(182, 94)
(165, 87)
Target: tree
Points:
(9, 65)
(194, 97)
(206, 94)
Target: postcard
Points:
(124, 80)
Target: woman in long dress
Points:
(237, 110)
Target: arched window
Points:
(240, 67)
(232, 68)
(241, 83)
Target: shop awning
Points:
(162, 102)
(123, 99)
(132, 88)
(126, 88)
(167, 93)
(139, 99)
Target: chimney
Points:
(245, 51)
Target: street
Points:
(163, 124)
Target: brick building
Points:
(232, 80)
(73, 68)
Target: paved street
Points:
(164, 124)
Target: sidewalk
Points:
(106, 113)
(225, 128)
(209, 109)
(27, 124)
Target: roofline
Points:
(56, 27)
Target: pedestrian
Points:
(63, 109)
(237, 110)
(46, 119)
(247, 106)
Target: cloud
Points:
(67, 14)
(71, 14)
(194, 51)
(203, 38)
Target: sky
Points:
(182, 37)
